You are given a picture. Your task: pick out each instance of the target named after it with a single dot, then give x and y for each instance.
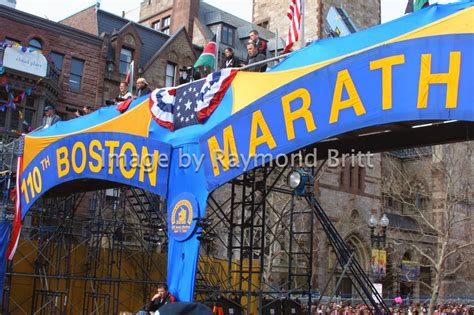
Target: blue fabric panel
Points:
(183, 256)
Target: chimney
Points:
(184, 12)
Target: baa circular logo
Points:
(182, 217)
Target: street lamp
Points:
(380, 237)
(379, 256)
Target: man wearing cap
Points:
(143, 87)
(50, 117)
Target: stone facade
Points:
(364, 14)
(151, 9)
(416, 187)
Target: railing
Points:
(53, 74)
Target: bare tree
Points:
(433, 187)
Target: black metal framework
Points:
(359, 278)
(264, 229)
(83, 241)
(245, 230)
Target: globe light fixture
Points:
(384, 222)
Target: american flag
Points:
(294, 14)
(190, 103)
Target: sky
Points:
(56, 10)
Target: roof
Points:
(39, 22)
(412, 153)
(210, 15)
(151, 40)
(402, 222)
(163, 47)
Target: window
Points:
(35, 44)
(352, 178)
(264, 24)
(125, 60)
(170, 73)
(227, 36)
(156, 25)
(57, 60)
(166, 25)
(11, 119)
(75, 79)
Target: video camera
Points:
(74, 110)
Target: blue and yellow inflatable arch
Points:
(417, 68)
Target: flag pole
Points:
(302, 23)
(131, 80)
(218, 35)
(276, 42)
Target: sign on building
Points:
(25, 61)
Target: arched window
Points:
(35, 44)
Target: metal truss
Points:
(257, 245)
(82, 242)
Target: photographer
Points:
(79, 112)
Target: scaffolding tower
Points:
(108, 244)
(266, 233)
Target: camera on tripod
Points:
(74, 110)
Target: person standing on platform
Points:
(124, 94)
(261, 44)
(253, 57)
(230, 61)
(143, 87)
(50, 117)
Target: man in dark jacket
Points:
(50, 117)
(230, 61)
(253, 57)
(162, 297)
(261, 44)
(143, 87)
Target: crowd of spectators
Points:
(256, 49)
(396, 309)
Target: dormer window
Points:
(125, 60)
(227, 35)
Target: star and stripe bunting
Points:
(191, 103)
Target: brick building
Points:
(74, 71)
(157, 55)
(202, 21)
